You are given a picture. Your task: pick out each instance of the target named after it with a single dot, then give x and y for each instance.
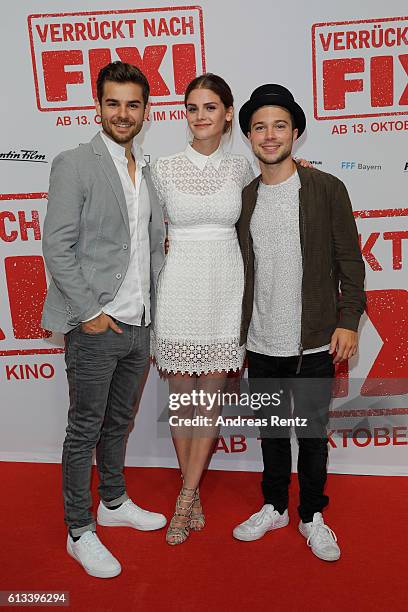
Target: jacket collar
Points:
(304, 173)
(105, 159)
(98, 146)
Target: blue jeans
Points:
(106, 373)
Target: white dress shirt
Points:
(133, 296)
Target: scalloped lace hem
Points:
(186, 357)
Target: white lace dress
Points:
(200, 287)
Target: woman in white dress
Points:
(199, 291)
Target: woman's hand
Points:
(303, 162)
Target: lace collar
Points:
(200, 160)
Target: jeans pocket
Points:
(93, 334)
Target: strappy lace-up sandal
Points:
(179, 528)
(197, 522)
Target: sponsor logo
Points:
(24, 155)
(69, 49)
(360, 68)
(315, 163)
(354, 165)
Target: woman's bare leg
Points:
(203, 437)
(182, 436)
(179, 526)
(193, 447)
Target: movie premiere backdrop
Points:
(346, 64)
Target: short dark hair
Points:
(120, 72)
(217, 85)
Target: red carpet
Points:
(211, 571)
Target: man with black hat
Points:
(300, 247)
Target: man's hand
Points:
(344, 343)
(100, 324)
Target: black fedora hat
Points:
(271, 95)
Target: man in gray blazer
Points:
(104, 247)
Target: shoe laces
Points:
(321, 534)
(93, 544)
(267, 511)
(130, 507)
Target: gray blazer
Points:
(86, 237)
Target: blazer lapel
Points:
(154, 203)
(108, 167)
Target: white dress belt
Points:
(202, 232)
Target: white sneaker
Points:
(130, 515)
(94, 557)
(321, 539)
(259, 523)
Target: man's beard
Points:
(125, 138)
(277, 160)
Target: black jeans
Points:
(105, 373)
(311, 393)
